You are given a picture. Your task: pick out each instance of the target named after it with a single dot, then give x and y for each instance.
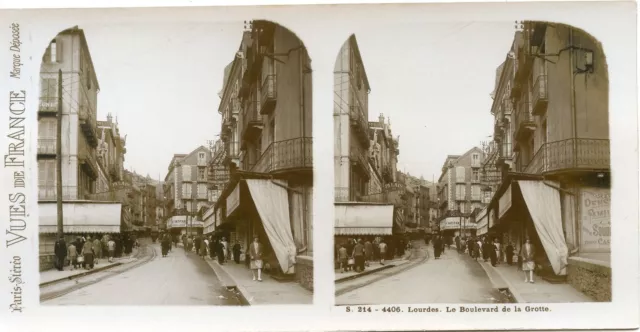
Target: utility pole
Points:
(59, 157)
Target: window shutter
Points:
(58, 51)
(42, 173)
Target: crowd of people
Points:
(493, 251)
(357, 254)
(87, 251)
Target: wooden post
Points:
(59, 157)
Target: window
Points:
(272, 130)
(461, 191)
(202, 174)
(460, 174)
(49, 90)
(476, 192)
(544, 132)
(475, 160)
(475, 176)
(47, 128)
(186, 190)
(462, 207)
(202, 191)
(186, 173)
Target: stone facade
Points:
(47, 262)
(304, 271)
(591, 279)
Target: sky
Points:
(434, 81)
(162, 82)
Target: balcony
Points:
(268, 94)
(116, 195)
(575, 154)
(47, 146)
(48, 105)
(360, 123)
(48, 193)
(251, 121)
(233, 151)
(87, 159)
(372, 198)
(359, 162)
(540, 98)
(341, 194)
(286, 156)
(505, 153)
(525, 60)
(524, 121)
(88, 124)
(516, 89)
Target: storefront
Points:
(531, 209)
(80, 218)
(179, 225)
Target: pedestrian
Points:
(60, 251)
(225, 249)
(203, 248)
(343, 258)
(437, 247)
(111, 248)
(255, 252)
(97, 249)
(527, 252)
(165, 244)
(212, 247)
(88, 254)
(458, 246)
(184, 241)
(358, 256)
(236, 252)
(383, 251)
(486, 250)
(493, 253)
(220, 252)
(368, 252)
(496, 244)
(72, 254)
(509, 253)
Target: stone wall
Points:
(590, 278)
(304, 271)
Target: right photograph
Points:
(502, 191)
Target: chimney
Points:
(381, 119)
(109, 118)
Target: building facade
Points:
(460, 192)
(87, 168)
(266, 109)
(551, 102)
(187, 191)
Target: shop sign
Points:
(595, 213)
(233, 201)
(454, 223)
(181, 222)
(504, 203)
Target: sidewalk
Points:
(53, 275)
(269, 291)
(505, 276)
(372, 268)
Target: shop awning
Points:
(272, 202)
(543, 202)
(483, 222)
(363, 219)
(80, 217)
(183, 222)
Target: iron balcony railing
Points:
(571, 154)
(116, 195)
(233, 149)
(49, 192)
(373, 198)
(358, 158)
(47, 146)
(506, 151)
(292, 154)
(251, 115)
(540, 95)
(88, 123)
(88, 159)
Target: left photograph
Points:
(175, 165)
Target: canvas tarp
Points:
(363, 219)
(272, 203)
(543, 203)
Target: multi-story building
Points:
(460, 192)
(365, 155)
(67, 70)
(266, 110)
(186, 191)
(551, 101)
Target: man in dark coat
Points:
(60, 250)
(437, 246)
(236, 252)
(197, 242)
(509, 253)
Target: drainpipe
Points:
(575, 136)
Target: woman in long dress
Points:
(255, 252)
(437, 246)
(527, 254)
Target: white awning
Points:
(363, 219)
(272, 203)
(80, 217)
(543, 203)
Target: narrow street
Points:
(453, 278)
(178, 279)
